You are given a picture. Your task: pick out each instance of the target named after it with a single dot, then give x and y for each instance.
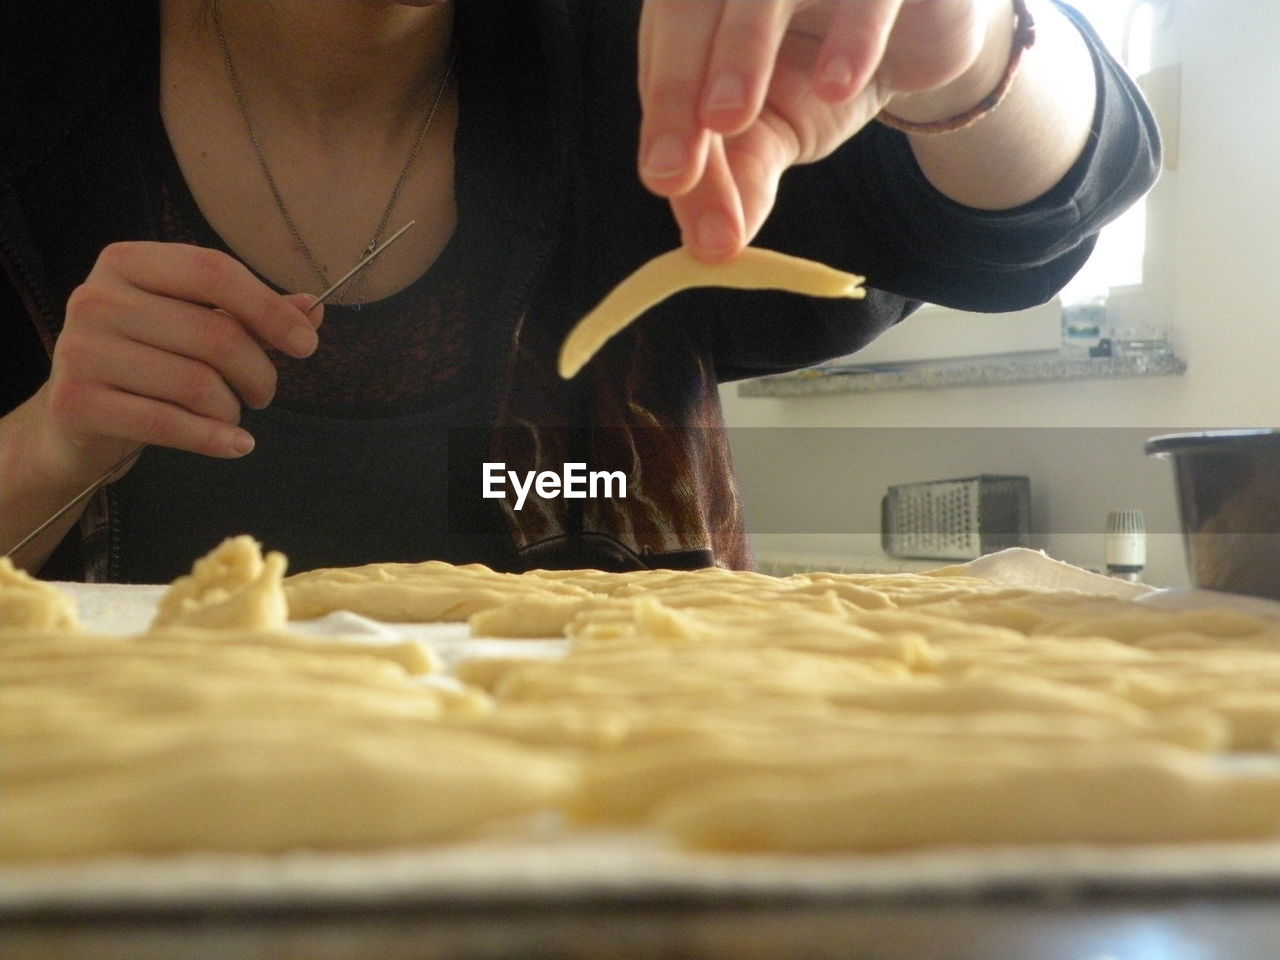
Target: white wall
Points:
(1214, 274)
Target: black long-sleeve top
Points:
(551, 216)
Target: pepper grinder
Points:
(1126, 544)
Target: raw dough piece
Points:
(233, 587)
(413, 658)
(779, 624)
(1117, 793)
(645, 768)
(1145, 626)
(158, 676)
(533, 617)
(414, 592)
(213, 740)
(694, 675)
(266, 788)
(669, 273)
(30, 604)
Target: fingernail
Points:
(727, 93)
(837, 72)
(715, 234)
(242, 442)
(302, 341)
(666, 157)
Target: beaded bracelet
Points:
(1024, 36)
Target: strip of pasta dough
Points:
(753, 269)
(1113, 793)
(30, 604)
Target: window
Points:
(1114, 272)
(1126, 28)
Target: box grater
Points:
(956, 519)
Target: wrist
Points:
(34, 454)
(41, 469)
(976, 92)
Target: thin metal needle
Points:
(82, 495)
(369, 258)
(132, 454)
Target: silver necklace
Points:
(322, 275)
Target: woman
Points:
(181, 175)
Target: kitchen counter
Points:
(987, 371)
(1238, 925)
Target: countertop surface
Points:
(1104, 926)
(987, 371)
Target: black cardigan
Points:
(545, 154)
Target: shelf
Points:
(785, 563)
(986, 371)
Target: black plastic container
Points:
(1228, 484)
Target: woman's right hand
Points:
(161, 345)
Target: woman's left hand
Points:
(736, 91)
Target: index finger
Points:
(215, 279)
(675, 40)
